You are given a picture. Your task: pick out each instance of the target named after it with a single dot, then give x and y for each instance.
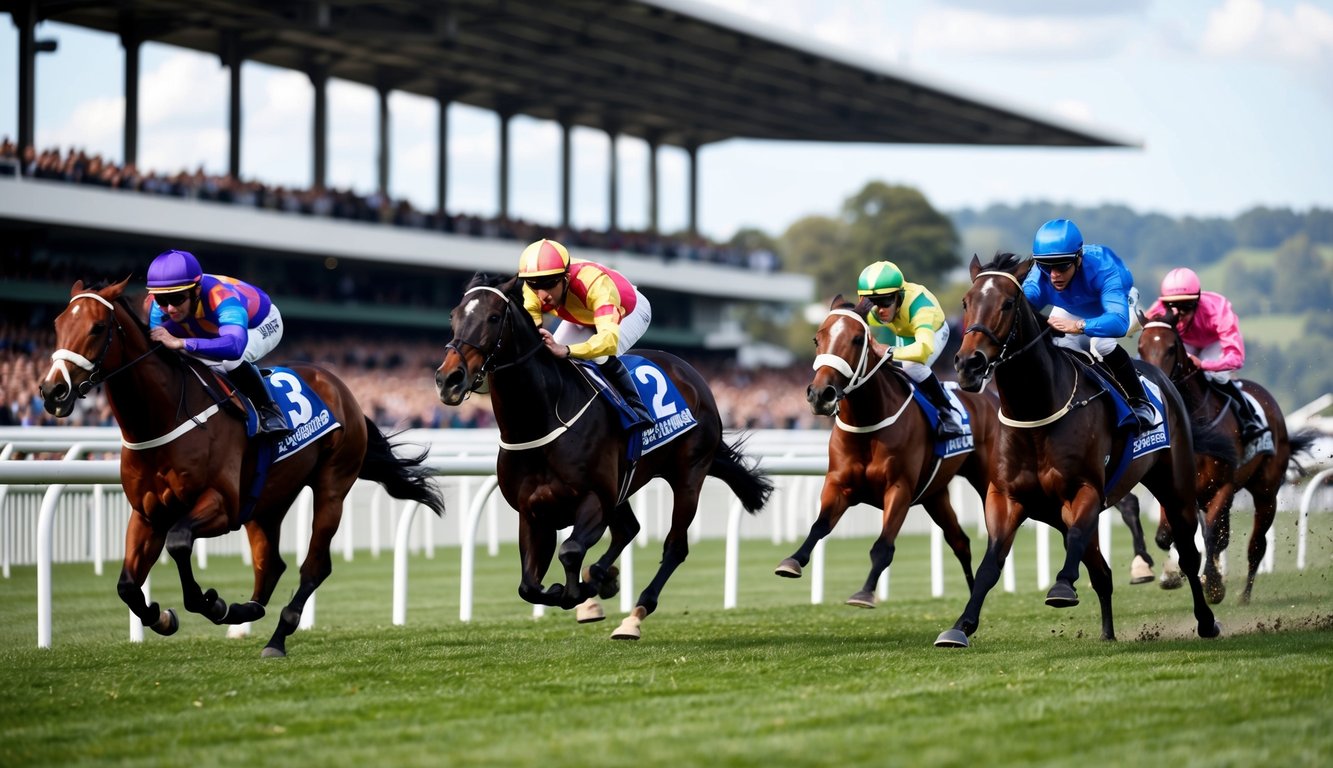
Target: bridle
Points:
(1178, 373)
(858, 376)
(94, 367)
(488, 364)
(1004, 356)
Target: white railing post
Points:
(467, 541)
(731, 575)
(1302, 521)
(99, 526)
(305, 521)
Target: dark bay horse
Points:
(1261, 472)
(187, 473)
(563, 454)
(881, 450)
(1058, 430)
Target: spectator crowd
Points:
(78, 167)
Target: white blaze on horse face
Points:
(471, 306)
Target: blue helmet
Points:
(173, 271)
(1058, 239)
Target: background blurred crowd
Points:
(77, 167)
(394, 382)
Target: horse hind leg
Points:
(142, 546)
(1099, 575)
(603, 577)
(675, 548)
(205, 520)
(1179, 509)
(1140, 571)
(941, 510)
(314, 570)
(1265, 510)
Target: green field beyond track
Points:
(775, 682)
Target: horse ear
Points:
(975, 266)
(837, 302)
(1024, 267)
(118, 288)
(77, 289)
(1143, 319)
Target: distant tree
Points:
(817, 246)
(898, 224)
(1266, 227)
(1319, 225)
(1250, 290)
(1302, 280)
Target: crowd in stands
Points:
(78, 167)
(394, 383)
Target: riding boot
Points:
(1123, 369)
(1250, 425)
(618, 375)
(933, 389)
(247, 378)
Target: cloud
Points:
(1302, 38)
(957, 30)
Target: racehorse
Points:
(881, 451)
(1058, 431)
(1259, 469)
(190, 476)
(563, 456)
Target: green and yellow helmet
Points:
(883, 278)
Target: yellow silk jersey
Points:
(597, 297)
(914, 326)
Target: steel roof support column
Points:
(319, 125)
(693, 188)
(131, 42)
(652, 185)
(566, 183)
(506, 114)
(232, 59)
(383, 159)
(25, 18)
(442, 99)
(613, 190)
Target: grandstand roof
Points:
(674, 72)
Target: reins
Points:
(858, 376)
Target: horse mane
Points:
(488, 279)
(1003, 261)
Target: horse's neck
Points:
(146, 395)
(1038, 380)
(879, 397)
(525, 392)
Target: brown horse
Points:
(189, 476)
(1058, 431)
(881, 451)
(563, 456)
(1259, 468)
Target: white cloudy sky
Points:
(1232, 99)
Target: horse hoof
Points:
(628, 629)
(1210, 632)
(1170, 580)
(610, 584)
(789, 569)
(1139, 571)
(589, 611)
(239, 631)
(862, 599)
(1062, 595)
(952, 638)
(167, 623)
(1214, 594)
(270, 652)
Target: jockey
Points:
(220, 320)
(602, 314)
(1093, 300)
(1210, 331)
(910, 312)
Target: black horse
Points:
(563, 456)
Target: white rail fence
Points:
(84, 494)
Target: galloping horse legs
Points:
(1265, 510)
(536, 546)
(589, 525)
(832, 504)
(1129, 512)
(1003, 516)
(142, 546)
(676, 546)
(1079, 516)
(624, 527)
(1099, 574)
(205, 520)
(1183, 517)
(1216, 537)
(881, 552)
(942, 512)
(316, 567)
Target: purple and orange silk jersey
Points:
(227, 309)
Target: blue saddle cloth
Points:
(1156, 438)
(305, 413)
(954, 445)
(672, 416)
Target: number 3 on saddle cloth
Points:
(672, 416)
(954, 445)
(1155, 439)
(305, 412)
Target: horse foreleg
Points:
(536, 547)
(1099, 574)
(589, 525)
(1141, 570)
(881, 552)
(942, 512)
(142, 546)
(602, 576)
(1003, 516)
(314, 569)
(1079, 516)
(834, 499)
(205, 520)
(1216, 537)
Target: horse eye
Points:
(97, 329)
(964, 303)
(1007, 305)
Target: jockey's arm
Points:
(1228, 335)
(605, 340)
(1113, 322)
(233, 333)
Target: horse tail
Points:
(750, 485)
(403, 478)
(1209, 440)
(1302, 444)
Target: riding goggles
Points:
(544, 283)
(1181, 306)
(1055, 266)
(171, 299)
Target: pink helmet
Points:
(1180, 284)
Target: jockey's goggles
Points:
(171, 299)
(1181, 306)
(1056, 266)
(883, 299)
(544, 283)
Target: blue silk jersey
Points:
(226, 310)
(1098, 293)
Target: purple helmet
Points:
(173, 271)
